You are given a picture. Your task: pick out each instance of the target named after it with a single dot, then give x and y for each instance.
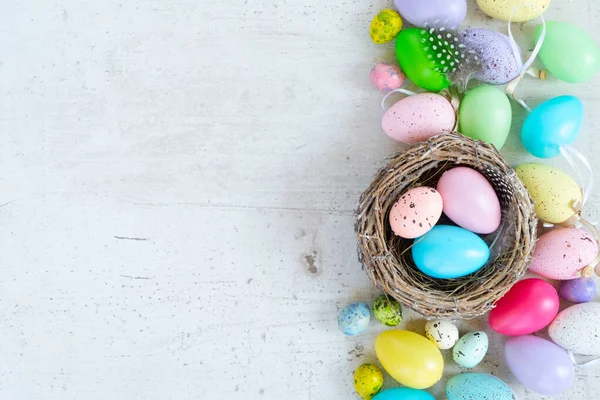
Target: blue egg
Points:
(354, 318)
(449, 252)
(472, 386)
(553, 123)
(580, 290)
(403, 394)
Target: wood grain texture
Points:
(177, 186)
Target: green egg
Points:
(387, 310)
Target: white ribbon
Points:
(399, 90)
(567, 151)
(590, 363)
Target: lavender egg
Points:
(497, 62)
(579, 290)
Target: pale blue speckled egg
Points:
(354, 318)
(497, 62)
(472, 386)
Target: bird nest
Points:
(387, 258)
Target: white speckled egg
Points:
(470, 349)
(443, 333)
(576, 329)
(472, 386)
(416, 212)
(418, 117)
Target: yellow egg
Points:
(368, 381)
(385, 26)
(504, 8)
(553, 191)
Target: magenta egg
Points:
(387, 77)
(563, 253)
(470, 200)
(418, 117)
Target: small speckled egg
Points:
(503, 9)
(576, 328)
(472, 386)
(385, 26)
(563, 253)
(498, 64)
(579, 290)
(443, 333)
(418, 117)
(416, 212)
(354, 318)
(553, 191)
(368, 381)
(386, 77)
(470, 349)
(387, 310)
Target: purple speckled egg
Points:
(387, 77)
(498, 64)
(579, 290)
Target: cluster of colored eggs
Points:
(445, 251)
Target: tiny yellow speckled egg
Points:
(503, 9)
(554, 192)
(385, 26)
(368, 381)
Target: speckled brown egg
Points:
(416, 212)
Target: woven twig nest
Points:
(387, 258)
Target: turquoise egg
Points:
(472, 386)
(403, 394)
(551, 124)
(354, 318)
(449, 252)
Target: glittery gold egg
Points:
(385, 26)
(368, 381)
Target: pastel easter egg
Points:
(499, 59)
(569, 53)
(418, 117)
(449, 13)
(470, 349)
(368, 381)
(443, 334)
(472, 386)
(385, 26)
(553, 191)
(580, 290)
(553, 123)
(387, 310)
(502, 10)
(576, 329)
(530, 305)
(354, 318)
(386, 77)
(416, 212)
(539, 364)
(409, 358)
(563, 253)
(403, 394)
(449, 252)
(469, 200)
(485, 114)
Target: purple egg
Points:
(579, 290)
(498, 63)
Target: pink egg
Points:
(387, 77)
(418, 117)
(562, 253)
(469, 200)
(416, 212)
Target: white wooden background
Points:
(177, 185)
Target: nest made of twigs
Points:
(387, 258)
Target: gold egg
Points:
(385, 26)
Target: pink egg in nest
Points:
(387, 77)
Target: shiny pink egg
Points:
(470, 200)
(418, 117)
(416, 212)
(562, 253)
(387, 77)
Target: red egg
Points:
(530, 305)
